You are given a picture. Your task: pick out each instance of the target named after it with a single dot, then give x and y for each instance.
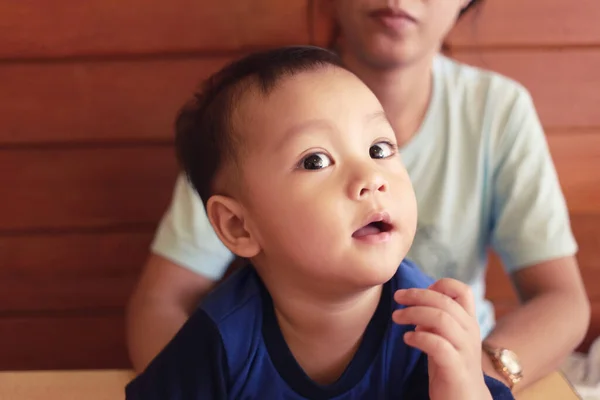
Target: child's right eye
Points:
(315, 161)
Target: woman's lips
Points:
(392, 19)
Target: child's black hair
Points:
(204, 134)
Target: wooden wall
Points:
(88, 92)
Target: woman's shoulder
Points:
(470, 83)
(481, 101)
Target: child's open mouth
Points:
(377, 228)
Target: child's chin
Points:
(379, 273)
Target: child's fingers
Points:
(433, 320)
(459, 291)
(431, 298)
(438, 350)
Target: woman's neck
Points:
(324, 334)
(404, 92)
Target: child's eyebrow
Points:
(377, 116)
(325, 125)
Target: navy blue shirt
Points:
(232, 348)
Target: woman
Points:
(483, 176)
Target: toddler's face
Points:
(325, 193)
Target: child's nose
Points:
(367, 184)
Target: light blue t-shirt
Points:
(483, 177)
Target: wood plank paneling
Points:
(565, 85)
(85, 188)
(594, 329)
(529, 23)
(587, 233)
(99, 101)
(39, 28)
(577, 160)
(498, 285)
(125, 101)
(54, 272)
(588, 256)
(63, 342)
(322, 24)
(89, 95)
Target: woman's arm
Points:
(192, 366)
(550, 323)
(187, 260)
(531, 232)
(162, 301)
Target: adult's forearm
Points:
(542, 332)
(150, 326)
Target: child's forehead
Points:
(305, 96)
(312, 100)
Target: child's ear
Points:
(227, 219)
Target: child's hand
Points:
(448, 332)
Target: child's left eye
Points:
(315, 161)
(382, 150)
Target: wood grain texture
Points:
(65, 385)
(89, 94)
(97, 101)
(63, 342)
(65, 28)
(135, 100)
(54, 272)
(594, 329)
(577, 160)
(516, 23)
(83, 188)
(109, 384)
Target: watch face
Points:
(510, 362)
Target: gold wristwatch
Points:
(506, 363)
